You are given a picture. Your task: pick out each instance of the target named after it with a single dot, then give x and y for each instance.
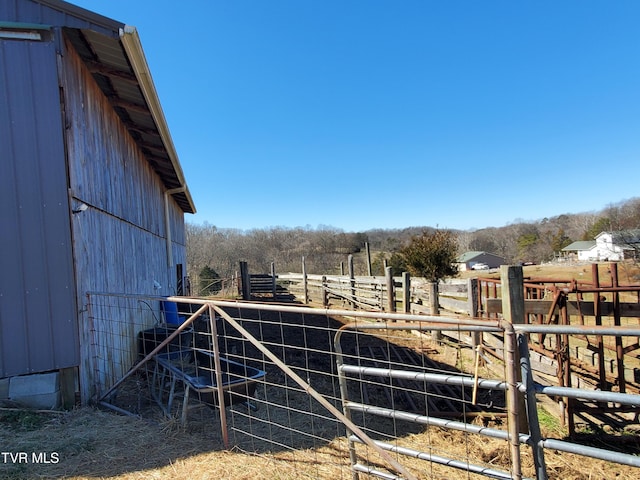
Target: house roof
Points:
(118, 65)
(469, 256)
(579, 246)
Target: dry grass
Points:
(93, 444)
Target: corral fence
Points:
(385, 293)
(338, 393)
(585, 360)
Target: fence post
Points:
(406, 292)
(622, 383)
(366, 247)
(352, 282)
(305, 286)
(391, 295)
(245, 281)
(512, 281)
(434, 309)
(325, 292)
(472, 305)
(274, 288)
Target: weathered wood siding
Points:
(120, 240)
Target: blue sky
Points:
(361, 114)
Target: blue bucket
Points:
(170, 311)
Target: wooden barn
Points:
(92, 194)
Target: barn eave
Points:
(120, 69)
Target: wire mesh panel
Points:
(273, 374)
(322, 393)
(405, 390)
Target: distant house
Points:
(92, 195)
(467, 260)
(583, 250)
(607, 246)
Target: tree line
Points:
(215, 252)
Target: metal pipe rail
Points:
(510, 386)
(435, 421)
(579, 394)
(578, 330)
(429, 457)
(456, 380)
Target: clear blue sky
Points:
(362, 114)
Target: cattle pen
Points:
(375, 388)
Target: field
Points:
(88, 443)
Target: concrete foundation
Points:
(36, 391)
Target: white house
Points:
(607, 246)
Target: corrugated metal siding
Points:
(56, 13)
(38, 330)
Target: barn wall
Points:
(51, 161)
(120, 239)
(38, 327)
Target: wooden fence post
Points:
(391, 295)
(512, 281)
(406, 292)
(434, 308)
(245, 281)
(325, 292)
(472, 302)
(366, 247)
(352, 282)
(274, 288)
(305, 286)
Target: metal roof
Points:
(581, 245)
(120, 69)
(113, 53)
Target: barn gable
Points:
(92, 194)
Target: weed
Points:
(550, 424)
(23, 420)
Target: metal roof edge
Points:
(133, 48)
(83, 13)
